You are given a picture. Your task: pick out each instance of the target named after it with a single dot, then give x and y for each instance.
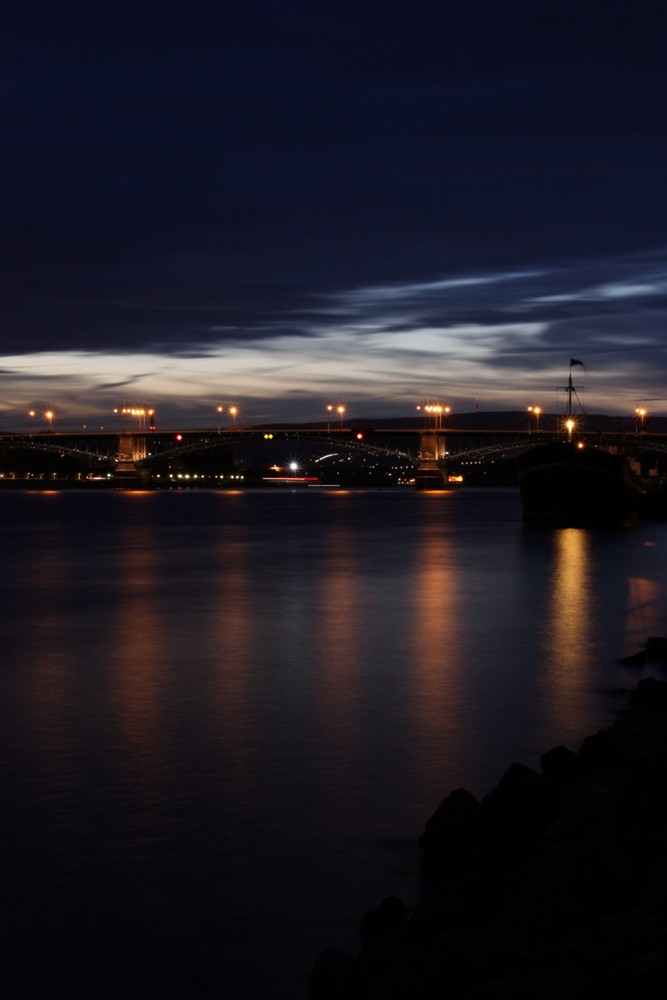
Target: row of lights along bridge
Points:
(145, 415)
(437, 410)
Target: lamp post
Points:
(329, 412)
(641, 412)
(49, 418)
(31, 414)
(220, 411)
(138, 413)
(341, 413)
(436, 411)
(534, 411)
(233, 412)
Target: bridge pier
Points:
(131, 449)
(429, 475)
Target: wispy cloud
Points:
(494, 336)
(122, 383)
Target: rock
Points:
(634, 660)
(450, 827)
(554, 886)
(656, 649)
(560, 765)
(384, 922)
(655, 889)
(520, 800)
(439, 913)
(650, 695)
(329, 973)
(600, 751)
(642, 808)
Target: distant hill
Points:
(515, 420)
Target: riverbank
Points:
(553, 885)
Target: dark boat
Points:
(571, 482)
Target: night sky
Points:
(284, 204)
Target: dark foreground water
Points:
(225, 717)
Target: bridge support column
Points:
(131, 449)
(429, 475)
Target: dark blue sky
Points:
(286, 203)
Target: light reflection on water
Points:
(226, 717)
(564, 648)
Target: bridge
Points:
(130, 458)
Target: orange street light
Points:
(642, 413)
(534, 411)
(436, 410)
(49, 415)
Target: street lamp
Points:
(341, 413)
(233, 412)
(220, 412)
(641, 412)
(436, 411)
(534, 411)
(329, 412)
(49, 417)
(138, 413)
(31, 414)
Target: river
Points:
(226, 716)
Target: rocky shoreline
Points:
(554, 885)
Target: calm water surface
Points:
(225, 717)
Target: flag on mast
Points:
(574, 361)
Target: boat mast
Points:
(570, 390)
